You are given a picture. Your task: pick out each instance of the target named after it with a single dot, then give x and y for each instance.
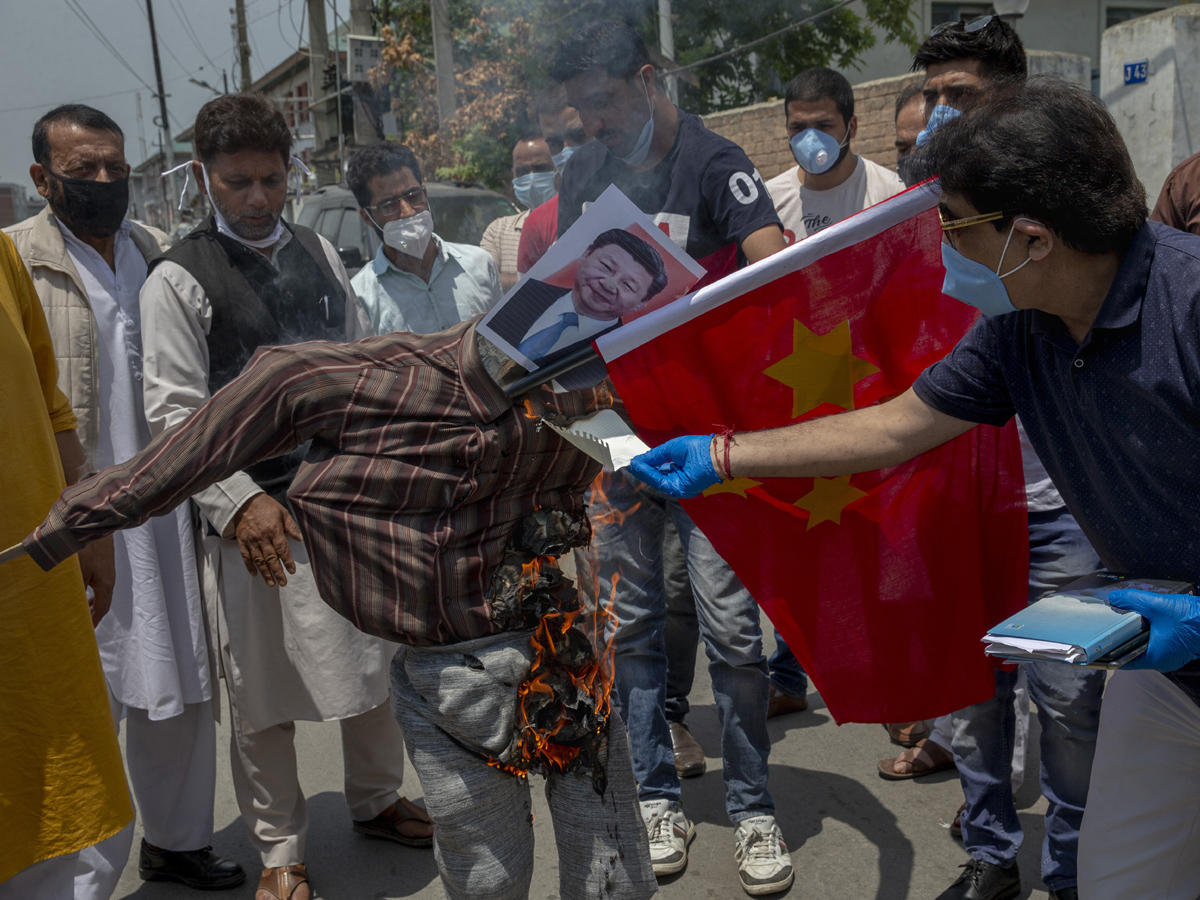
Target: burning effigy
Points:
(564, 701)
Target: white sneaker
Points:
(670, 833)
(762, 857)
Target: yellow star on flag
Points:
(737, 486)
(828, 498)
(822, 368)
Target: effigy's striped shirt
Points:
(420, 469)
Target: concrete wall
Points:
(1160, 119)
(760, 130)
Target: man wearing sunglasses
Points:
(417, 282)
(1087, 334)
(965, 63)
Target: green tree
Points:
(502, 50)
(705, 28)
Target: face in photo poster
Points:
(610, 267)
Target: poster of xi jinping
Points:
(610, 267)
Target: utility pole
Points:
(366, 129)
(141, 129)
(443, 58)
(243, 44)
(360, 17)
(168, 144)
(666, 43)
(318, 55)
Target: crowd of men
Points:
(355, 492)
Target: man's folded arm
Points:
(283, 398)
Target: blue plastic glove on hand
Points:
(1174, 627)
(682, 467)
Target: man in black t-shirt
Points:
(704, 192)
(699, 187)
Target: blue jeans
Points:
(681, 631)
(729, 624)
(786, 672)
(1068, 705)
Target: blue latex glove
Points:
(1174, 627)
(682, 467)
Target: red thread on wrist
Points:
(728, 433)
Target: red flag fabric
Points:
(883, 582)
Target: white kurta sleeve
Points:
(358, 323)
(176, 318)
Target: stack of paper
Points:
(1077, 626)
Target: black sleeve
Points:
(736, 196)
(969, 382)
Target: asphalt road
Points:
(852, 835)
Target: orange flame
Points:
(594, 678)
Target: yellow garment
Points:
(62, 784)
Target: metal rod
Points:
(14, 552)
(548, 373)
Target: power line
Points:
(13, 109)
(758, 41)
(180, 11)
(91, 26)
(49, 104)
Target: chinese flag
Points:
(882, 582)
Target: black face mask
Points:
(91, 208)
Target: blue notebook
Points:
(1076, 625)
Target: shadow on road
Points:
(825, 796)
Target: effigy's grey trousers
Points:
(458, 701)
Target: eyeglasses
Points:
(970, 26)
(955, 224)
(415, 198)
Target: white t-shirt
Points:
(804, 212)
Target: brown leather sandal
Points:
(281, 882)
(403, 822)
(907, 734)
(925, 758)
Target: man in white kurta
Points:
(285, 655)
(152, 643)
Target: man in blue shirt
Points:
(1090, 335)
(417, 282)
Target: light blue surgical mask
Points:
(816, 151)
(560, 158)
(940, 116)
(642, 148)
(534, 188)
(977, 285)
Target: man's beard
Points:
(241, 229)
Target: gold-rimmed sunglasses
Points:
(955, 224)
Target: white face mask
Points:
(641, 149)
(295, 164)
(410, 236)
(223, 226)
